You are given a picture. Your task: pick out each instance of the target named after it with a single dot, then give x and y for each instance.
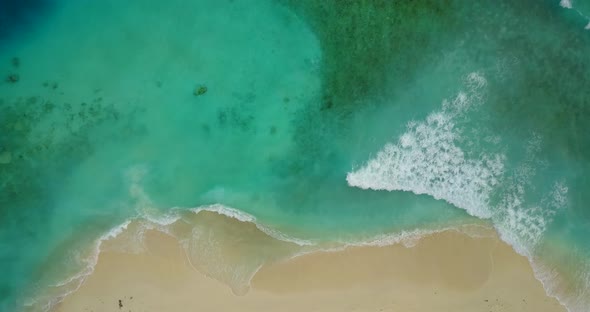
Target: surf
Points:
(435, 157)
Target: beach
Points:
(447, 271)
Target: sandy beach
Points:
(449, 271)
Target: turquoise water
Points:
(327, 121)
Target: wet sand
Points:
(449, 271)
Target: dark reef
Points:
(20, 16)
(365, 42)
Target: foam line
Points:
(245, 217)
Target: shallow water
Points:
(331, 121)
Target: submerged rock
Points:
(12, 78)
(200, 90)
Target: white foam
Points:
(226, 211)
(245, 217)
(566, 4)
(428, 160)
(163, 220)
(407, 238)
(520, 223)
(116, 231)
(410, 238)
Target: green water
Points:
(483, 106)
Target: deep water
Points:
(18, 17)
(326, 120)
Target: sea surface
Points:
(323, 123)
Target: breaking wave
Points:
(428, 160)
(568, 4)
(434, 157)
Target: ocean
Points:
(321, 123)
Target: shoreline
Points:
(443, 271)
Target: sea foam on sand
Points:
(447, 270)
